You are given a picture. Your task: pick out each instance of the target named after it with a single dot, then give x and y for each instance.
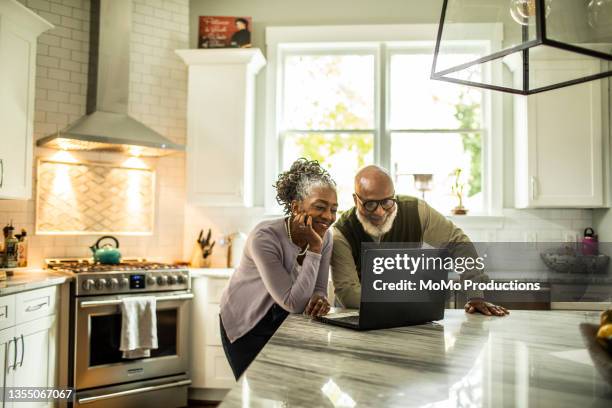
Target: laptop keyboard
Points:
(352, 319)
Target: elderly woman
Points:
(285, 265)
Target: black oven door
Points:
(98, 360)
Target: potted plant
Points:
(457, 190)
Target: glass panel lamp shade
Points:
(600, 16)
(514, 45)
(523, 11)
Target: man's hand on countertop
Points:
(484, 307)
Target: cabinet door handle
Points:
(36, 307)
(22, 351)
(534, 183)
(14, 366)
(8, 351)
(1, 172)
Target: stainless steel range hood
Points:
(107, 127)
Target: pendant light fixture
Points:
(523, 11)
(513, 45)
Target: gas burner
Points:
(83, 265)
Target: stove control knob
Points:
(151, 280)
(172, 280)
(162, 280)
(113, 283)
(181, 278)
(88, 284)
(123, 282)
(100, 283)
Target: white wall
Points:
(157, 98)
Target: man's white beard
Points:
(377, 231)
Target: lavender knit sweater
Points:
(268, 273)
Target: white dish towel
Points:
(138, 326)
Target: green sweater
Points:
(406, 228)
(436, 230)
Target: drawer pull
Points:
(8, 351)
(117, 302)
(34, 308)
(22, 350)
(142, 390)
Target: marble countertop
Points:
(529, 358)
(548, 277)
(32, 279)
(525, 276)
(211, 272)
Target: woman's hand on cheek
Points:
(313, 238)
(317, 306)
(305, 232)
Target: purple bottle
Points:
(590, 244)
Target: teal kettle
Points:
(106, 254)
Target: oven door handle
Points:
(115, 302)
(88, 400)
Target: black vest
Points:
(406, 228)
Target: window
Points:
(348, 104)
(328, 113)
(436, 134)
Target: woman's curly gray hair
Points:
(297, 182)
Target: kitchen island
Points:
(529, 358)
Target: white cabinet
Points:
(36, 343)
(209, 366)
(7, 352)
(580, 297)
(28, 349)
(19, 29)
(220, 121)
(559, 139)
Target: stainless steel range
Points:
(98, 372)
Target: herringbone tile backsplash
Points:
(81, 198)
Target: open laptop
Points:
(407, 308)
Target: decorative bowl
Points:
(561, 261)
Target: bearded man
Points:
(381, 216)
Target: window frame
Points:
(405, 48)
(327, 49)
(283, 40)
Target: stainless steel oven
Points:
(97, 333)
(97, 370)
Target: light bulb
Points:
(600, 15)
(524, 11)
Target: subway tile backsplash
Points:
(158, 84)
(548, 225)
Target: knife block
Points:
(197, 259)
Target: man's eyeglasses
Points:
(372, 205)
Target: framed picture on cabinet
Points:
(224, 32)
